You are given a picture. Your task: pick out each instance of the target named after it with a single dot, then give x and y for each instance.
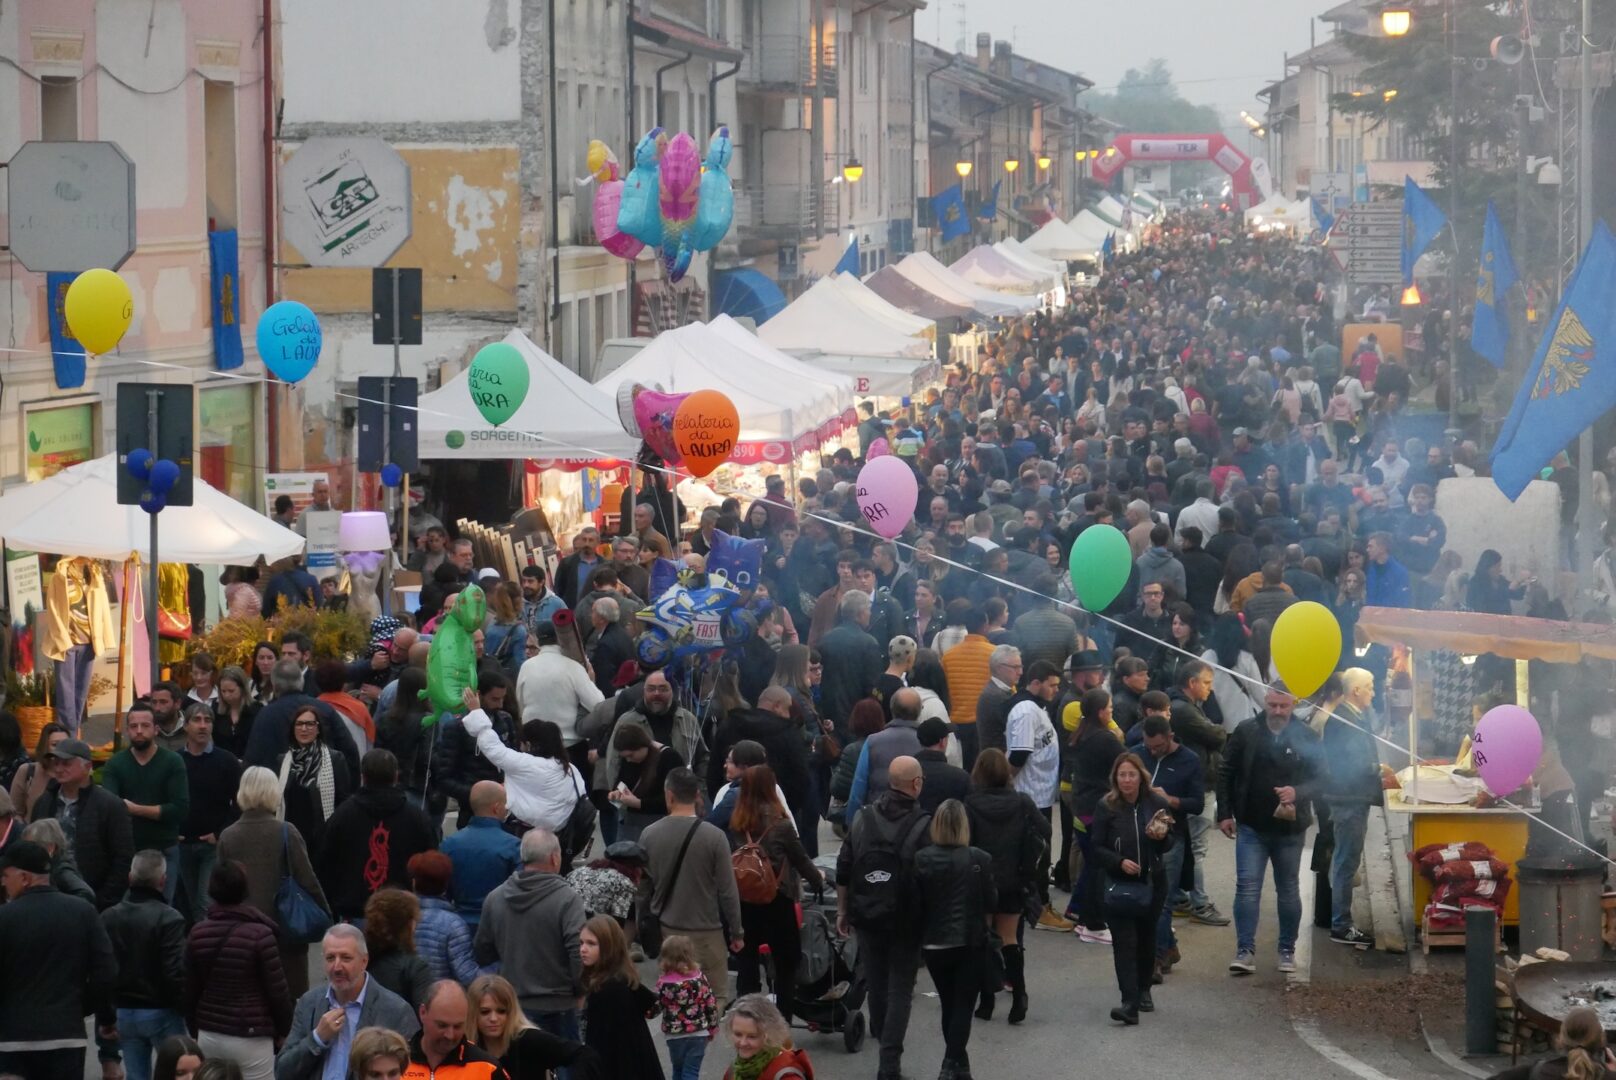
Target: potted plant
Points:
(28, 697)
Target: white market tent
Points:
(826, 320)
(1091, 226)
(1059, 240)
(983, 265)
(931, 275)
(835, 390)
(562, 418)
(1021, 255)
(890, 314)
(76, 512)
(1277, 211)
(772, 404)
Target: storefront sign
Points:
(25, 596)
(299, 485)
(57, 438)
(320, 555)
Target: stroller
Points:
(830, 984)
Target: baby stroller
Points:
(830, 985)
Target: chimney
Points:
(984, 51)
(1001, 58)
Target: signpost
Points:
(1371, 237)
(71, 206)
(346, 202)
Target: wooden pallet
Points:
(1452, 939)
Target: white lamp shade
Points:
(364, 530)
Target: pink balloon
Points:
(679, 179)
(608, 198)
(654, 411)
(1508, 744)
(887, 489)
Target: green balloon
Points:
(451, 664)
(1100, 564)
(497, 381)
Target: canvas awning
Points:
(1514, 636)
(900, 292)
(923, 269)
(1061, 241)
(887, 312)
(987, 266)
(825, 320)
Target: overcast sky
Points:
(1221, 51)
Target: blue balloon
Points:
(289, 340)
(164, 475)
(741, 561)
(139, 463)
(716, 210)
(153, 503)
(392, 475)
(640, 212)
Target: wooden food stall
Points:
(1504, 829)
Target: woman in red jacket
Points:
(236, 998)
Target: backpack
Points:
(755, 876)
(883, 855)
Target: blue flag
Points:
(1108, 245)
(948, 207)
(67, 355)
(1322, 216)
(990, 209)
(850, 260)
(1422, 221)
(226, 297)
(1572, 380)
(1489, 330)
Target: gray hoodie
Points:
(1157, 565)
(530, 924)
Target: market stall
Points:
(1059, 240)
(984, 265)
(825, 327)
(1021, 255)
(888, 313)
(931, 275)
(1444, 805)
(908, 295)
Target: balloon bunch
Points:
(685, 622)
(699, 430)
(158, 474)
(671, 200)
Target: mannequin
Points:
(364, 576)
(78, 628)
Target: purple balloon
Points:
(1508, 743)
(887, 489)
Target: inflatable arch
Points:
(1213, 147)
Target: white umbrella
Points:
(76, 512)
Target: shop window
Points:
(57, 438)
(228, 441)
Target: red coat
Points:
(237, 985)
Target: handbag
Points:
(578, 834)
(174, 627)
(1130, 898)
(651, 917)
(303, 921)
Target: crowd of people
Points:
(486, 887)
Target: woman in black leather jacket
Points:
(1006, 824)
(954, 884)
(1127, 845)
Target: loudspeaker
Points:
(1508, 49)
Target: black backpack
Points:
(884, 851)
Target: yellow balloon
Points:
(98, 308)
(1306, 646)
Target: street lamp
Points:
(1387, 95)
(1012, 164)
(963, 168)
(1043, 161)
(1395, 22)
(853, 170)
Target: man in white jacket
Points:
(552, 686)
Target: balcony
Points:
(784, 64)
(777, 211)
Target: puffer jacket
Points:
(1006, 825)
(444, 941)
(148, 938)
(237, 985)
(955, 888)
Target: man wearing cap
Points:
(943, 780)
(56, 968)
(95, 820)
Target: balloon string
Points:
(855, 526)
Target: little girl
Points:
(689, 1008)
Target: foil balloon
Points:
(451, 663)
(603, 167)
(638, 213)
(717, 207)
(678, 194)
(654, 411)
(684, 622)
(740, 561)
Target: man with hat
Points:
(943, 780)
(56, 968)
(96, 822)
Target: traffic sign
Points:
(1371, 238)
(346, 202)
(71, 206)
(163, 408)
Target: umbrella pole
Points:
(124, 613)
(151, 603)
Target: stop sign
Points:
(71, 206)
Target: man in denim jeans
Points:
(1351, 787)
(1268, 777)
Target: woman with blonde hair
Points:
(505, 641)
(762, 1042)
(499, 1026)
(1128, 837)
(955, 887)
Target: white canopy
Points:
(826, 320)
(1112, 207)
(76, 512)
(562, 418)
(1021, 255)
(987, 265)
(1091, 226)
(1061, 241)
(777, 398)
(1278, 211)
(931, 275)
(875, 304)
(884, 376)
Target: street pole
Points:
(1454, 432)
(1585, 232)
(152, 399)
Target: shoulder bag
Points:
(651, 918)
(303, 921)
(1130, 898)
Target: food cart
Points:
(1502, 828)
